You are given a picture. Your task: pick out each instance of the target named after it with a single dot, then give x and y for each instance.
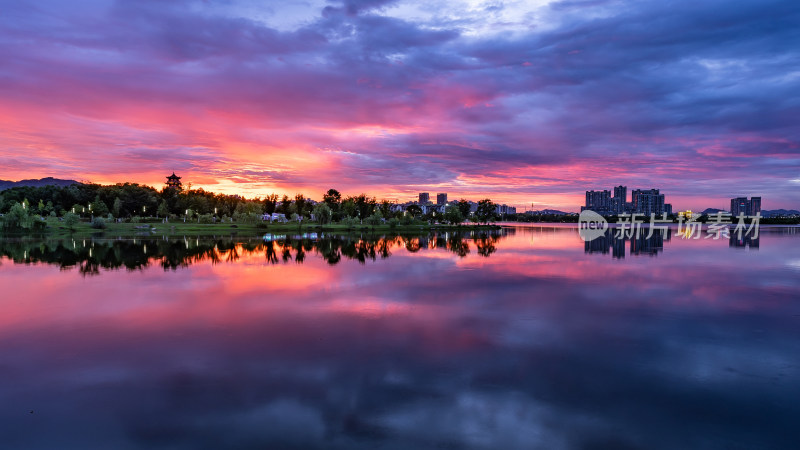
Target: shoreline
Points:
(57, 229)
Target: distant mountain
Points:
(49, 181)
(779, 212)
(764, 212)
(548, 211)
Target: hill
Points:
(49, 181)
(547, 211)
(780, 212)
(764, 213)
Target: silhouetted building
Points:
(648, 201)
(598, 201)
(755, 206)
(643, 201)
(743, 205)
(505, 209)
(174, 182)
(619, 200)
(441, 199)
(424, 197)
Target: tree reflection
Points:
(171, 253)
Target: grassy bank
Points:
(56, 228)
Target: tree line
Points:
(22, 206)
(172, 254)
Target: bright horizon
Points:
(521, 102)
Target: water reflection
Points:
(539, 346)
(90, 255)
(744, 241)
(644, 243)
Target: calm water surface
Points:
(527, 338)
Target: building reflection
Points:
(171, 253)
(743, 241)
(639, 244)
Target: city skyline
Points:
(526, 103)
(613, 204)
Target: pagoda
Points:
(174, 182)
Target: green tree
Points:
(364, 205)
(464, 207)
(249, 207)
(349, 208)
(116, 209)
(98, 223)
(350, 222)
(453, 215)
(486, 209)
(414, 211)
(300, 203)
(385, 207)
(285, 202)
(322, 213)
(271, 203)
(99, 207)
(163, 209)
(375, 219)
(77, 209)
(332, 198)
(70, 220)
(18, 218)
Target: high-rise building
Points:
(643, 201)
(647, 202)
(505, 209)
(424, 197)
(739, 206)
(743, 205)
(598, 201)
(620, 197)
(441, 199)
(755, 206)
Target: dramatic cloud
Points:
(522, 101)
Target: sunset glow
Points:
(529, 103)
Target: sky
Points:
(529, 103)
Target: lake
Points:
(526, 337)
